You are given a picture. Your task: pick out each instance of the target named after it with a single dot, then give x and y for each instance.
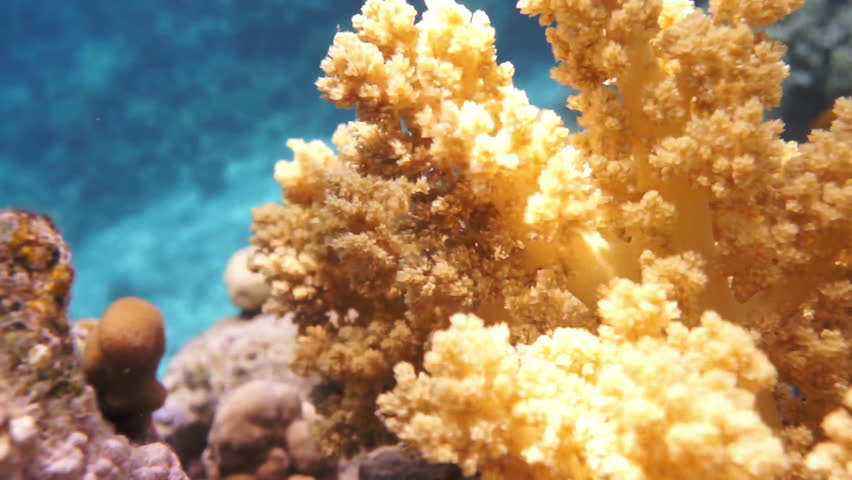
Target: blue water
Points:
(147, 130)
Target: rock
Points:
(50, 425)
(304, 450)
(247, 289)
(228, 355)
(397, 463)
(249, 432)
(819, 52)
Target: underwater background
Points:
(148, 130)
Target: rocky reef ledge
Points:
(50, 426)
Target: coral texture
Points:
(50, 425)
(662, 294)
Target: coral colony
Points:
(637, 299)
(664, 293)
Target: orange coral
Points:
(674, 221)
(120, 361)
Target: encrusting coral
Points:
(663, 294)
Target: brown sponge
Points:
(120, 361)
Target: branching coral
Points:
(644, 246)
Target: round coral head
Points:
(132, 334)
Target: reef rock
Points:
(398, 463)
(50, 425)
(261, 432)
(228, 355)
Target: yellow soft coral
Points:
(419, 214)
(832, 460)
(651, 280)
(576, 405)
(646, 398)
